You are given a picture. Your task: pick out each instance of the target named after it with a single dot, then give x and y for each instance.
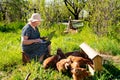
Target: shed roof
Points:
(89, 51)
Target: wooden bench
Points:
(94, 55)
(25, 58)
(72, 25)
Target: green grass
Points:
(10, 53)
(9, 49)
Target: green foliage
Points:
(12, 10)
(109, 46)
(55, 12)
(114, 32)
(102, 14)
(13, 26)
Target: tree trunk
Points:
(76, 16)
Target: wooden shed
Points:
(94, 55)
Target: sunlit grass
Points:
(11, 58)
(9, 49)
(37, 71)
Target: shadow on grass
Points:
(109, 72)
(112, 70)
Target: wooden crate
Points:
(94, 55)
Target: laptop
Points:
(49, 37)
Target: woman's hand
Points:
(37, 40)
(25, 40)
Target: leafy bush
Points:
(13, 26)
(114, 32)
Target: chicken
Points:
(63, 65)
(74, 65)
(78, 54)
(51, 61)
(60, 53)
(79, 73)
(81, 61)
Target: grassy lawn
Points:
(11, 67)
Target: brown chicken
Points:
(74, 65)
(74, 53)
(79, 73)
(63, 65)
(60, 53)
(51, 61)
(78, 54)
(81, 61)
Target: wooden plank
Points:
(97, 63)
(77, 20)
(65, 23)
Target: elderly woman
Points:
(32, 44)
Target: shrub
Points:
(13, 26)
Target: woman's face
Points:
(36, 23)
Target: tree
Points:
(12, 10)
(54, 11)
(75, 6)
(103, 14)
